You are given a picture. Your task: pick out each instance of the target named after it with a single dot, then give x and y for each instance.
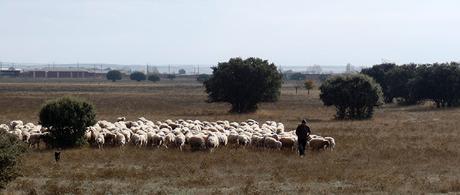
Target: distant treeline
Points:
(412, 83)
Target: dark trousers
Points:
(302, 144)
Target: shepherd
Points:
(302, 132)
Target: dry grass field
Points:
(401, 150)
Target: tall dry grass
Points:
(401, 150)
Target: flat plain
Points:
(403, 149)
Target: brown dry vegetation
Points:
(401, 150)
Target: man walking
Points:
(302, 132)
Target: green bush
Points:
(113, 75)
(67, 119)
(171, 76)
(354, 96)
(203, 77)
(297, 76)
(154, 78)
(137, 76)
(10, 150)
(244, 83)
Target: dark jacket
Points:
(302, 132)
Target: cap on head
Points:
(304, 121)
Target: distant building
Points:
(10, 72)
(64, 72)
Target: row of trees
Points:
(115, 75)
(411, 83)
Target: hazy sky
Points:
(287, 32)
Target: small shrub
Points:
(10, 150)
(171, 76)
(154, 78)
(67, 119)
(297, 76)
(203, 77)
(309, 85)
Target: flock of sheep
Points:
(194, 134)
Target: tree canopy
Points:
(244, 83)
(137, 76)
(354, 96)
(66, 119)
(114, 75)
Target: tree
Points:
(154, 78)
(66, 119)
(378, 73)
(203, 77)
(244, 83)
(171, 76)
(113, 75)
(182, 71)
(11, 149)
(354, 96)
(297, 76)
(439, 83)
(397, 82)
(309, 85)
(137, 76)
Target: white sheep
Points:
(120, 139)
(197, 142)
(212, 142)
(179, 141)
(288, 142)
(272, 143)
(34, 139)
(317, 144)
(100, 140)
(169, 140)
(244, 140)
(157, 140)
(331, 142)
(222, 139)
(15, 123)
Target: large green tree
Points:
(397, 82)
(137, 76)
(244, 83)
(439, 83)
(354, 96)
(114, 75)
(66, 119)
(378, 73)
